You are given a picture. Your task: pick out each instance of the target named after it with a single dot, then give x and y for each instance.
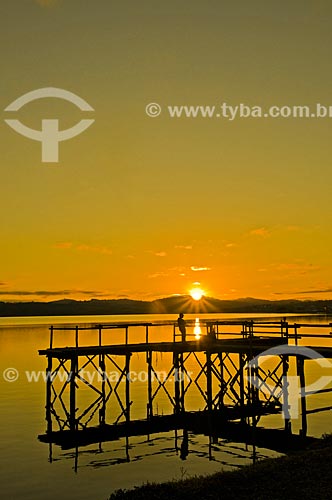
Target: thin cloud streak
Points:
(304, 292)
(50, 293)
(160, 274)
(160, 254)
(260, 231)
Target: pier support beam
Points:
(300, 372)
(150, 403)
(208, 381)
(209, 398)
(128, 402)
(242, 389)
(72, 395)
(102, 411)
(222, 382)
(287, 419)
(176, 362)
(182, 392)
(49, 394)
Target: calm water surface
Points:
(25, 470)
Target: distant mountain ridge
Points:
(166, 305)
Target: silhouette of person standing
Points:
(212, 334)
(182, 326)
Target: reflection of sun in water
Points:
(197, 329)
(196, 293)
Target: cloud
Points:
(83, 247)
(305, 292)
(94, 248)
(260, 231)
(197, 268)
(297, 267)
(2, 283)
(183, 247)
(179, 270)
(264, 232)
(160, 254)
(159, 274)
(63, 245)
(50, 293)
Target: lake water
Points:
(25, 469)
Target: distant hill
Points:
(170, 305)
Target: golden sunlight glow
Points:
(197, 329)
(196, 293)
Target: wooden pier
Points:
(226, 359)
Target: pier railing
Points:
(198, 330)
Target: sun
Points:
(196, 293)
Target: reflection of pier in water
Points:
(229, 405)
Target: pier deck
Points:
(255, 344)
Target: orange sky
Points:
(143, 207)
